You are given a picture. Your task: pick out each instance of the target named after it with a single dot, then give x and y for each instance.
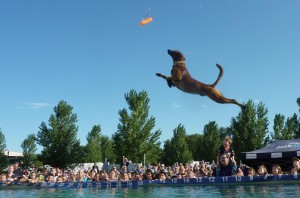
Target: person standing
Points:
(95, 167)
(17, 170)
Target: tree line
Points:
(136, 136)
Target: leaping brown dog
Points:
(181, 78)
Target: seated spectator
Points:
(112, 176)
(136, 176)
(191, 174)
(33, 178)
(203, 170)
(72, 178)
(293, 171)
(10, 176)
(244, 168)
(176, 170)
(91, 175)
(209, 171)
(262, 170)
(251, 172)
(162, 176)
(296, 164)
(228, 167)
(103, 175)
(124, 177)
(51, 176)
(148, 174)
(3, 179)
(276, 170)
(59, 179)
(182, 171)
(129, 175)
(169, 172)
(81, 176)
(197, 171)
(142, 176)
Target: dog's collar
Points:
(177, 62)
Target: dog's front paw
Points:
(170, 83)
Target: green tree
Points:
(93, 147)
(194, 143)
(180, 150)
(211, 141)
(107, 149)
(167, 153)
(250, 128)
(60, 146)
(225, 131)
(297, 135)
(278, 127)
(290, 128)
(29, 149)
(3, 158)
(134, 136)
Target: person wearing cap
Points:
(162, 168)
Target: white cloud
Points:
(256, 101)
(204, 106)
(37, 105)
(175, 105)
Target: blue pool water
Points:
(288, 190)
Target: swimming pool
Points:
(281, 190)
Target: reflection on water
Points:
(287, 190)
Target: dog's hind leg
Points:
(220, 75)
(232, 101)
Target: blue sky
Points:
(90, 53)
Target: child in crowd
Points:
(251, 172)
(276, 170)
(262, 170)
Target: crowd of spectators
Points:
(153, 172)
(225, 166)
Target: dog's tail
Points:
(220, 75)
